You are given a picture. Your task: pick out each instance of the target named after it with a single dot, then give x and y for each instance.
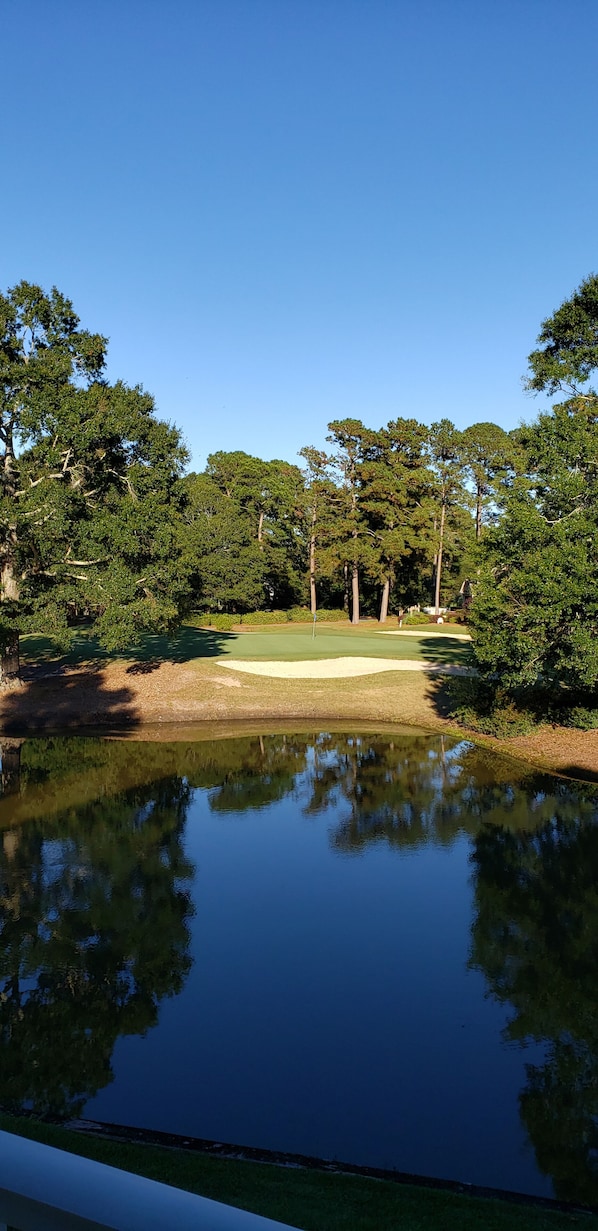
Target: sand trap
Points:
(420, 632)
(337, 668)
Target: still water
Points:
(379, 949)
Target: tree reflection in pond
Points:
(94, 910)
(535, 937)
(95, 900)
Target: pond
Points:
(379, 949)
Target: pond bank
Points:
(138, 698)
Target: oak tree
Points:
(89, 485)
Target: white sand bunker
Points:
(338, 668)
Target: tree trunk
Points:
(478, 515)
(384, 601)
(355, 594)
(260, 530)
(439, 562)
(313, 603)
(10, 665)
(346, 591)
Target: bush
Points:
(491, 711)
(264, 617)
(582, 717)
(223, 621)
(505, 721)
(219, 620)
(455, 617)
(417, 617)
(324, 616)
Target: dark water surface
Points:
(371, 948)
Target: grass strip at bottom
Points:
(312, 1201)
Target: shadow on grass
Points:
(48, 703)
(444, 649)
(146, 656)
(439, 693)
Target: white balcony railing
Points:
(43, 1189)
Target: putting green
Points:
(300, 646)
(277, 644)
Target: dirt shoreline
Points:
(199, 700)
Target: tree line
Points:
(385, 516)
(101, 520)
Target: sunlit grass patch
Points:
(294, 643)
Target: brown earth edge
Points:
(168, 701)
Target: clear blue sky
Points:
(284, 212)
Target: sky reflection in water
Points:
(379, 949)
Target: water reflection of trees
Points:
(94, 914)
(535, 937)
(94, 908)
(412, 791)
(45, 775)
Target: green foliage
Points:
(535, 609)
(264, 617)
(214, 619)
(479, 706)
(331, 615)
(223, 621)
(300, 615)
(90, 495)
(488, 453)
(582, 717)
(244, 540)
(453, 527)
(569, 353)
(416, 617)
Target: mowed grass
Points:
(294, 643)
(179, 680)
(311, 1200)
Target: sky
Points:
(285, 212)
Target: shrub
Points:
(264, 617)
(583, 717)
(455, 617)
(491, 711)
(417, 617)
(333, 614)
(300, 615)
(505, 721)
(219, 620)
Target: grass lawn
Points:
(178, 681)
(311, 1200)
(282, 642)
